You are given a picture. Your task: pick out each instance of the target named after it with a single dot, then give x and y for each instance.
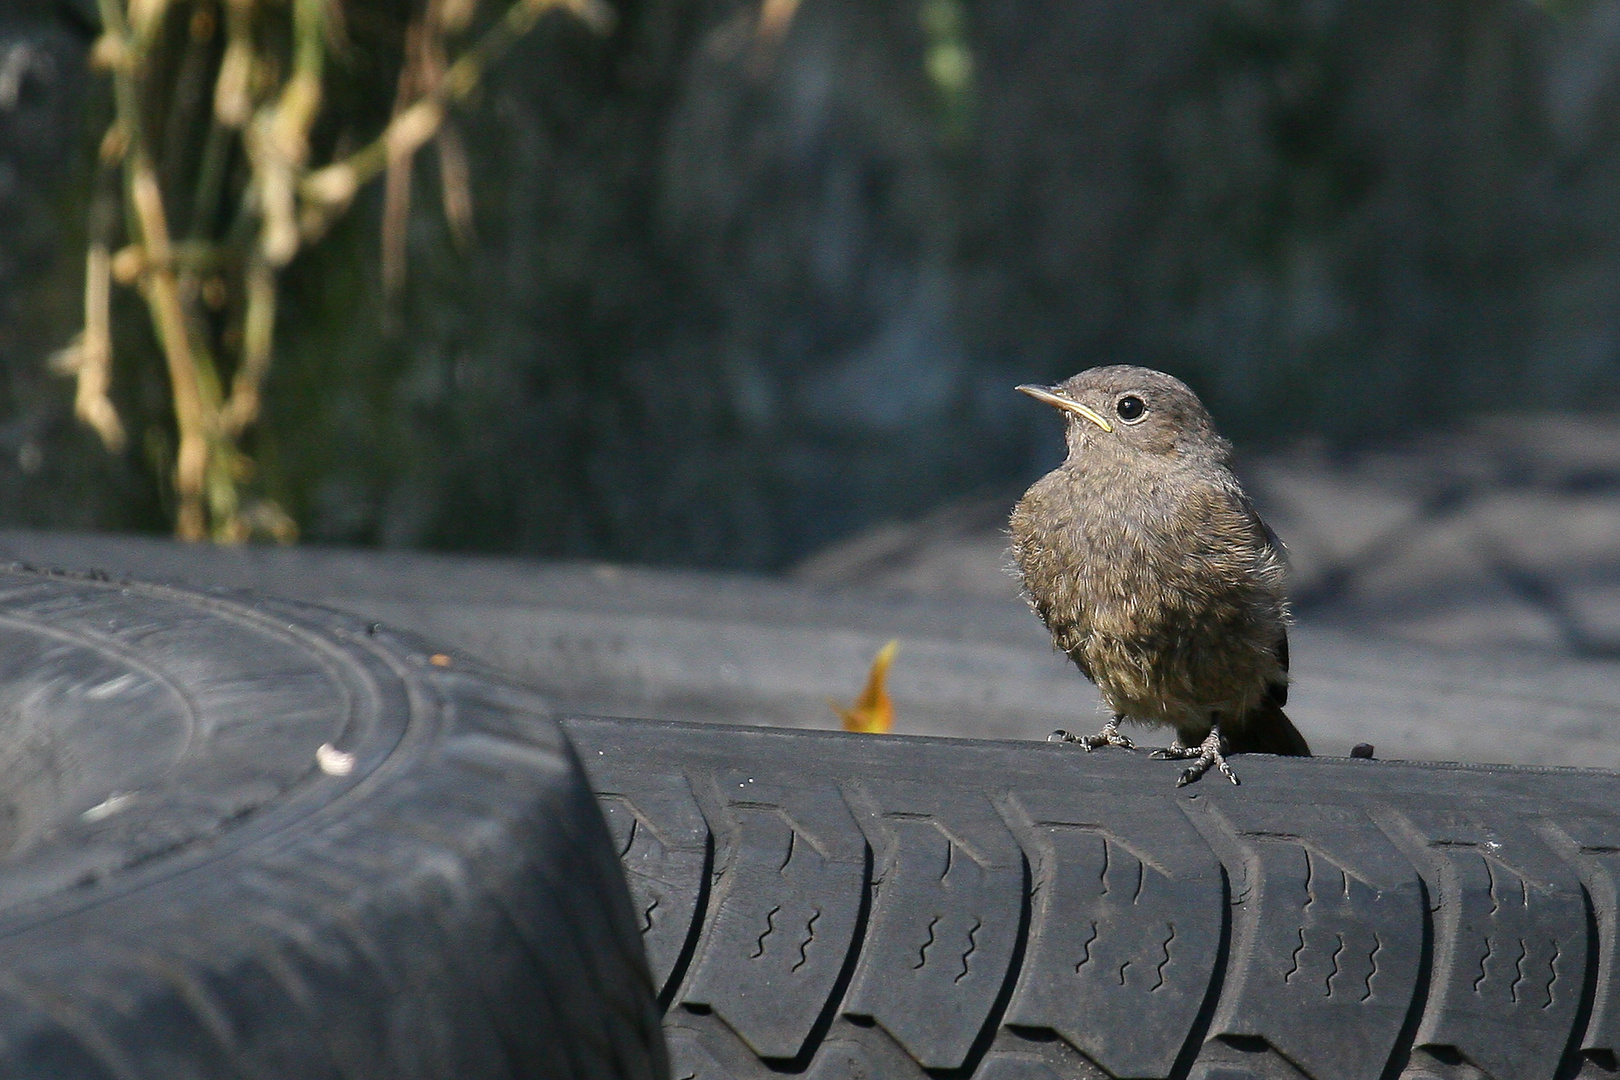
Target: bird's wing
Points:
(1274, 542)
(1277, 692)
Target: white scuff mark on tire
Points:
(334, 762)
(113, 687)
(108, 806)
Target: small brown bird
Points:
(1151, 569)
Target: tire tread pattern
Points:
(835, 906)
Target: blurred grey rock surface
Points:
(1458, 594)
(53, 473)
(729, 306)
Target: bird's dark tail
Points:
(1266, 730)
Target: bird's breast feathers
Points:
(1163, 560)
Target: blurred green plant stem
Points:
(250, 198)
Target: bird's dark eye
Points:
(1130, 408)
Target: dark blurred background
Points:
(729, 304)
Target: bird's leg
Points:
(1212, 751)
(1109, 736)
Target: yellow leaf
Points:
(872, 711)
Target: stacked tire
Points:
(252, 838)
(245, 838)
(830, 905)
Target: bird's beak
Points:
(1041, 393)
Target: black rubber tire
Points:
(705, 647)
(248, 838)
(832, 905)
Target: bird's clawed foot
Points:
(1212, 751)
(1108, 736)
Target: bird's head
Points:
(1126, 409)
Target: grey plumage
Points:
(1154, 573)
